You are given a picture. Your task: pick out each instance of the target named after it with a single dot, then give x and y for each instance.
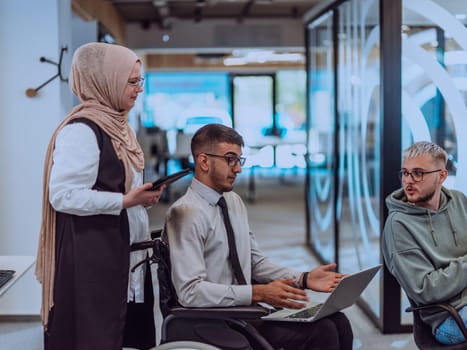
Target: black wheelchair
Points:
(183, 324)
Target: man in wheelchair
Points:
(217, 263)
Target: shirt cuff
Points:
(244, 294)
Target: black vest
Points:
(92, 267)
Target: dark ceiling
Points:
(160, 12)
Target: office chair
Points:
(179, 323)
(422, 333)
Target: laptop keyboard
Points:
(306, 313)
(5, 276)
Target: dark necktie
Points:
(233, 256)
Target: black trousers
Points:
(330, 333)
(140, 332)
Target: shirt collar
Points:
(206, 192)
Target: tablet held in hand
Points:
(166, 180)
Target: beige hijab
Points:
(99, 76)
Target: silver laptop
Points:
(344, 295)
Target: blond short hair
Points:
(425, 147)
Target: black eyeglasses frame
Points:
(230, 159)
(416, 175)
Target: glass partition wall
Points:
(321, 161)
(381, 74)
(358, 115)
(344, 119)
(434, 79)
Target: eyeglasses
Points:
(231, 160)
(416, 175)
(136, 82)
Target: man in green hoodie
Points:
(425, 238)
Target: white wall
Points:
(26, 123)
(29, 29)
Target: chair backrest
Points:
(424, 337)
(422, 334)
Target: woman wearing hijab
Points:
(94, 204)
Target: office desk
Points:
(21, 264)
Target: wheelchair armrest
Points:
(156, 233)
(238, 315)
(150, 243)
(240, 312)
(446, 307)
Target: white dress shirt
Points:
(74, 172)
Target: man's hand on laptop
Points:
(280, 293)
(324, 278)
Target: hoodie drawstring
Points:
(432, 230)
(453, 230)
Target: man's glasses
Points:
(231, 160)
(416, 175)
(136, 82)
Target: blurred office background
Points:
(327, 93)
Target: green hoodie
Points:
(426, 250)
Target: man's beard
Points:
(426, 198)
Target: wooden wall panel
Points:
(155, 62)
(105, 13)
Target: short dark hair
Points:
(211, 134)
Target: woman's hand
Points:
(324, 278)
(142, 196)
